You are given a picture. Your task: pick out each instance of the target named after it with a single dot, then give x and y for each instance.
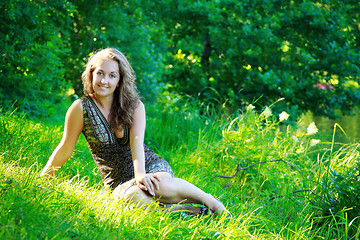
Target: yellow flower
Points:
(283, 116)
(312, 129)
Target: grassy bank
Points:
(283, 188)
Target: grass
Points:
(272, 200)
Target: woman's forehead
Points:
(107, 63)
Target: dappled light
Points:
(256, 103)
(276, 185)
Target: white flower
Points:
(296, 140)
(283, 116)
(313, 142)
(312, 129)
(250, 107)
(267, 112)
(300, 150)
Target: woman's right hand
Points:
(148, 182)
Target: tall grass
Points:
(275, 198)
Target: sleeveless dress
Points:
(112, 155)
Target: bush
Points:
(304, 51)
(339, 191)
(32, 50)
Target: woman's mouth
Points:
(102, 86)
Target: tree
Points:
(45, 45)
(32, 48)
(304, 51)
(230, 51)
(120, 24)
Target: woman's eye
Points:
(112, 76)
(99, 73)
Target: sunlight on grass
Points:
(285, 178)
(61, 207)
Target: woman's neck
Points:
(103, 102)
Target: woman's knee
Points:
(163, 176)
(166, 185)
(166, 181)
(133, 194)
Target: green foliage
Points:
(101, 24)
(183, 114)
(304, 51)
(224, 53)
(45, 46)
(251, 138)
(266, 200)
(218, 51)
(32, 52)
(340, 196)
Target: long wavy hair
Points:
(126, 96)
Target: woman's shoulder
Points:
(76, 107)
(139, 109)
(78, 102)
(140, 104)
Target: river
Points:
(350, 125)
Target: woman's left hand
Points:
(148, 182)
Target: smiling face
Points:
(105, 78)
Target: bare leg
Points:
(135, 195)
(175, 190)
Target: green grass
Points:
(273, 200)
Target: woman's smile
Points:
(106, 77)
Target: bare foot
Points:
(219, 209)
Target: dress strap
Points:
(101, 127)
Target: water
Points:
(350, 125)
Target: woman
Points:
(112, 119)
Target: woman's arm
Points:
(73, 126)
(147, 182)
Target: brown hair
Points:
(126, 97)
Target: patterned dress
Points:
(112, 155)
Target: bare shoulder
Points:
(140, 105)
(139, 116)
(74, 124)
(75, 111)
(77, 103)
(140, 109)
